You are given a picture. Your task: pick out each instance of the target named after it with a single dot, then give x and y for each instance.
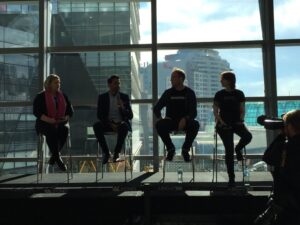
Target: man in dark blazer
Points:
(114, 113)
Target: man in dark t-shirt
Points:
(229, 112)
(181, 111)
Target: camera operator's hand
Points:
(239, 123)
(221, 122)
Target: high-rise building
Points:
(203, 68)
(83, 74)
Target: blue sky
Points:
(231, 20)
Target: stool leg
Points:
(164, 164)
(130, 160)
(125, 168)
(243, 165)
(97, 162)
(215, 158)
(69, 159)
(41, 156)
(193, 163)
(39, 149)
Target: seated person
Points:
(181, 111)
(229, 112)
(53, 110)
(114, 113)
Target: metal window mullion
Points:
(154, 81)
(269, 61)
(42, 42)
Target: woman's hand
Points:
(63, 119)
(48, 119)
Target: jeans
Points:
(165, 126)
(226, 135)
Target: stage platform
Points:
(144, 199)
(202, 179)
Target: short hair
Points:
(229, 76)
(293, 118)
(180, 72)
(111, 78)
(50, 79)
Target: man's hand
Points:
(182, 124)
(120, 103)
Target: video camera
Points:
(269, 123)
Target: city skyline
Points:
(89, 70)
(206, 20)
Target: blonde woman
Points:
(53, 109)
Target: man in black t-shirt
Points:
(229, 112)
(181, 111)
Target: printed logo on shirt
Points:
(177, 98)
(226, 98)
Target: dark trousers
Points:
(56, 136)
(165, 126)
(226, 135)
(121, 129)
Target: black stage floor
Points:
(119, 177)
(142, 200)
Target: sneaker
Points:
(170, 154)
(105, 158)
(116, 157)
(185, 154)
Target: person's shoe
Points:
(185, 154)
(116, 157)
(51, 160)
(60, 164)
(231, 183)
(239, 155)
(170, 154)
(105, 158)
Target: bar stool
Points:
(177, 133)
(90, 138)
(127, 153)
(41, 156)
(215, 159)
